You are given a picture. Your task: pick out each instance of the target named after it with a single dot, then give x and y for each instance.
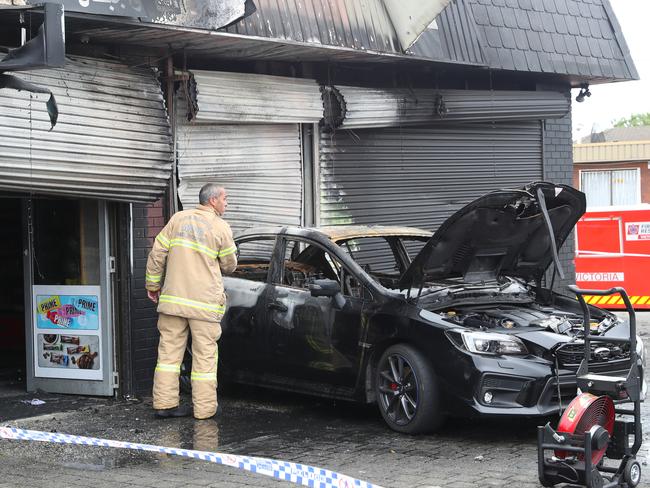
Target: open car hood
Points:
(501, 233)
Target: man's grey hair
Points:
(208, 191)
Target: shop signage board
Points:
(67, 321)
(613, 249)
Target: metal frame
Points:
(306, 142)
(552, 471)
(604, 255)
(106, 386)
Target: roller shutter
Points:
(420, 176)
(352, 107)
(260, 165)
(112, 140)
(224, 97)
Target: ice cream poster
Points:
(70, 312)
(68, 351)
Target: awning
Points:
(112, 140)
(351, 107)
(222, 97)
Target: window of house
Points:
(611, 187)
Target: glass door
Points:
(67, 273)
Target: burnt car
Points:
(458, 322)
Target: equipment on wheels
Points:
(598, 423)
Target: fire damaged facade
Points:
(310, 114)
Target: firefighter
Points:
(184, 277)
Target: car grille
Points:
(571, 355)
(568, 392)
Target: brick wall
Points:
(558, 168)
(148, 220)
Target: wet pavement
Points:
(343, 437)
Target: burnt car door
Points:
(314, 341)
(246, 290)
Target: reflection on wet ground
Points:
(346, 437)
(253, 422)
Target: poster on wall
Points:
(67, 332)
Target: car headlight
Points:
(490, 343)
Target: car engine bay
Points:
(534, 315)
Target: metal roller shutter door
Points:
(260, 165)
(350, 107)
(420, 176)
(112, 140)
(222, 97)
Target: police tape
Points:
(300, 474)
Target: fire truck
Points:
(613, 249)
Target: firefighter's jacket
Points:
(187, 261)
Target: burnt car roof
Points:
(338, 233)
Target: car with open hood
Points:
(461, 321)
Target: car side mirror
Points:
(324, 288)
(328, 288)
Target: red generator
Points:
(613, 250)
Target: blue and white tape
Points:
(300, 474)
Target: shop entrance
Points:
(69, 333)
(12, 298)
(56, 321)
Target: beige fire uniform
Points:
(188, 258)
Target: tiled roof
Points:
(573, 37)
(577, 39)
(618, 134)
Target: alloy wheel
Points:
(398, 389)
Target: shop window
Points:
(65, 239)
(606, 188)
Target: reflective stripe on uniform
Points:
(169, 368)
(204, 376)
(163, 241)
(228, 251)
(196, 246)
(153, 278)
(192, 303)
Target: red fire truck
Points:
(613, 249)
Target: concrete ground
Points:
(342, 437)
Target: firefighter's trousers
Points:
(171, 349)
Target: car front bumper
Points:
(516, 386)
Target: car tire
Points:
(407, 391)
